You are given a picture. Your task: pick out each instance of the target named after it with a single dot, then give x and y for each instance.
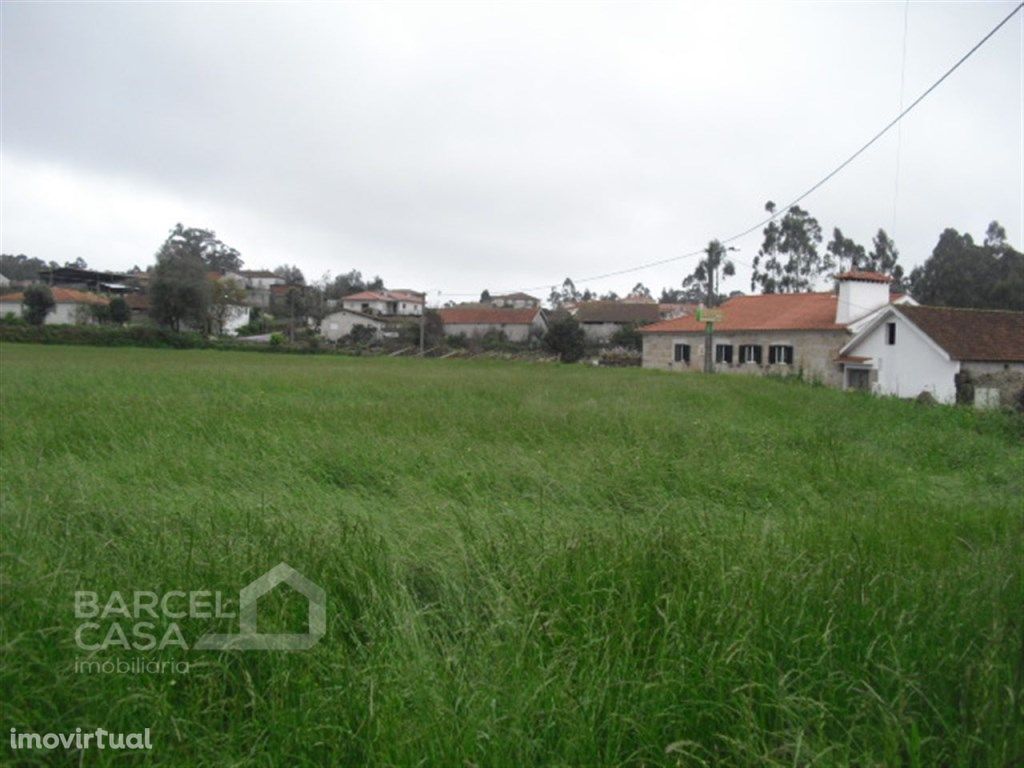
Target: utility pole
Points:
(709, 330)
(423, 323)
(715, 257)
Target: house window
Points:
(681, 353)
(750, 353)
(890, 333)
(780, 354)
(723, 353)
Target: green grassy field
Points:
(525, 564)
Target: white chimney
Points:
(859, 294)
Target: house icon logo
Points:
(249, 638)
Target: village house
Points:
(475, 320)
(601, 320)
(398, 302)
(71, 306)
(515, 301)
(257, 284)
(85, 279)
(340, 323)
(906, 350)
(668, 311)
(781, 333)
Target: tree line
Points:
(792, 259)
(960, 272)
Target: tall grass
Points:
(525, 564)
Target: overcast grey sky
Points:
(460, 146)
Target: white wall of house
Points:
(518, 332)
(339, 324)
(236, 317)
(382, 307)
(858, 298)
(64, 313)
(514, 303)
(914, 364)
(600, 333)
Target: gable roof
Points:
(978, 335)
(372, 318)
(764, 312)
(514, 296)
(401, 295)
(617, 312)
(62, 296)
(483, 315)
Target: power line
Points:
(820, 183)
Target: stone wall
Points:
(1004, 382)
(814, 353)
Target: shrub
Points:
(565, 338)
(276, 339)
(38, 303)
(118, 311)
(362, 335)
(99, 312)
(628, 337)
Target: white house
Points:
(340, 323)
(906, 350)
(386, 303)
(257, 284)
(515, 301)
(474, 320)
(71, 306)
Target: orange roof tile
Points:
(63, 296)
(766, 312)
(487, 316)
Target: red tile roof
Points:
(766, 312)
(867, 277)
(63, 296)
(979, 335)
(477, 315)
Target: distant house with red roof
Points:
(474, 320)
(775, 333)
(388, 303)
(71, 306)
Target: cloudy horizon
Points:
(453, 147)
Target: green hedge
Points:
(136, 336)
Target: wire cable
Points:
(817, 185)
